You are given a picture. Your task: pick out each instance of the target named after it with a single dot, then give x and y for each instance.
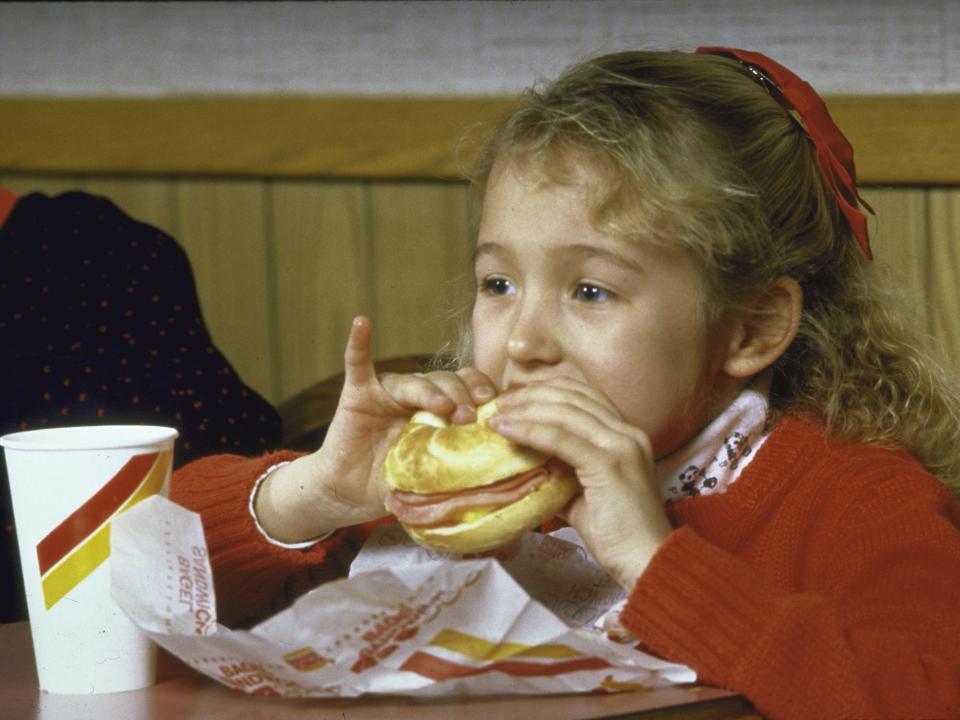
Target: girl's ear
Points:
(763, 334)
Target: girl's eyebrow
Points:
(488, 248)
(625, 260)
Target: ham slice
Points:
(432, 509)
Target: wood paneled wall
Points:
(299, 213)
(282, 265)
(916, 236)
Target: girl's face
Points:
(555, 297)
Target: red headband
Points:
(834, 152)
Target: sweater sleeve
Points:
(254, 578)
(869, 628)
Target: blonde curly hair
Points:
(689, 148)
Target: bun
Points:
(433, 457)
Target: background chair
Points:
(307, 414)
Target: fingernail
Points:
(441, 403)
(464, 414)
(499, 423)
(483, 393)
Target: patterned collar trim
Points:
(714, 459)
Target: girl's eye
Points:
(592, 293)
(498, 286)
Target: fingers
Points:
(453, 394)
(418, 391)
(562, 392)
(469, 388)
(580, 438)
(358, 357)
(577, 424)
(480, 387)
(446, 393)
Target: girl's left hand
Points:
(620, 514)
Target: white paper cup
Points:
(67, 484)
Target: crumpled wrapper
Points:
(540, 617)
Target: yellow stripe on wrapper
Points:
(482, 650)
(91, 552)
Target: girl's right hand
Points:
(341, 484)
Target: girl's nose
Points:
(532, 338)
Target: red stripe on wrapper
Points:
(436, 668)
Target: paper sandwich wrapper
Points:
(539, 618)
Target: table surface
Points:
(185, 694)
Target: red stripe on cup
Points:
(94, 512)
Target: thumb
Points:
(358, 358)
(573, 512)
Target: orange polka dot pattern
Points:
(100, 324)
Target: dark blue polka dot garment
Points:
(100, 324)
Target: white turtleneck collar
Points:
(714, 459)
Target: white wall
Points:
(873, 46)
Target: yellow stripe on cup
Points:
(92, 551)
(482, 650)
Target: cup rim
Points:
(89, 437)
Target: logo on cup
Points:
(81, 543)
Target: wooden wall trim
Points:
(899, 139)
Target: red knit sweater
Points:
(823, 583)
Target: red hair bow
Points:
(834, 152)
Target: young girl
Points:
(673, 296)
